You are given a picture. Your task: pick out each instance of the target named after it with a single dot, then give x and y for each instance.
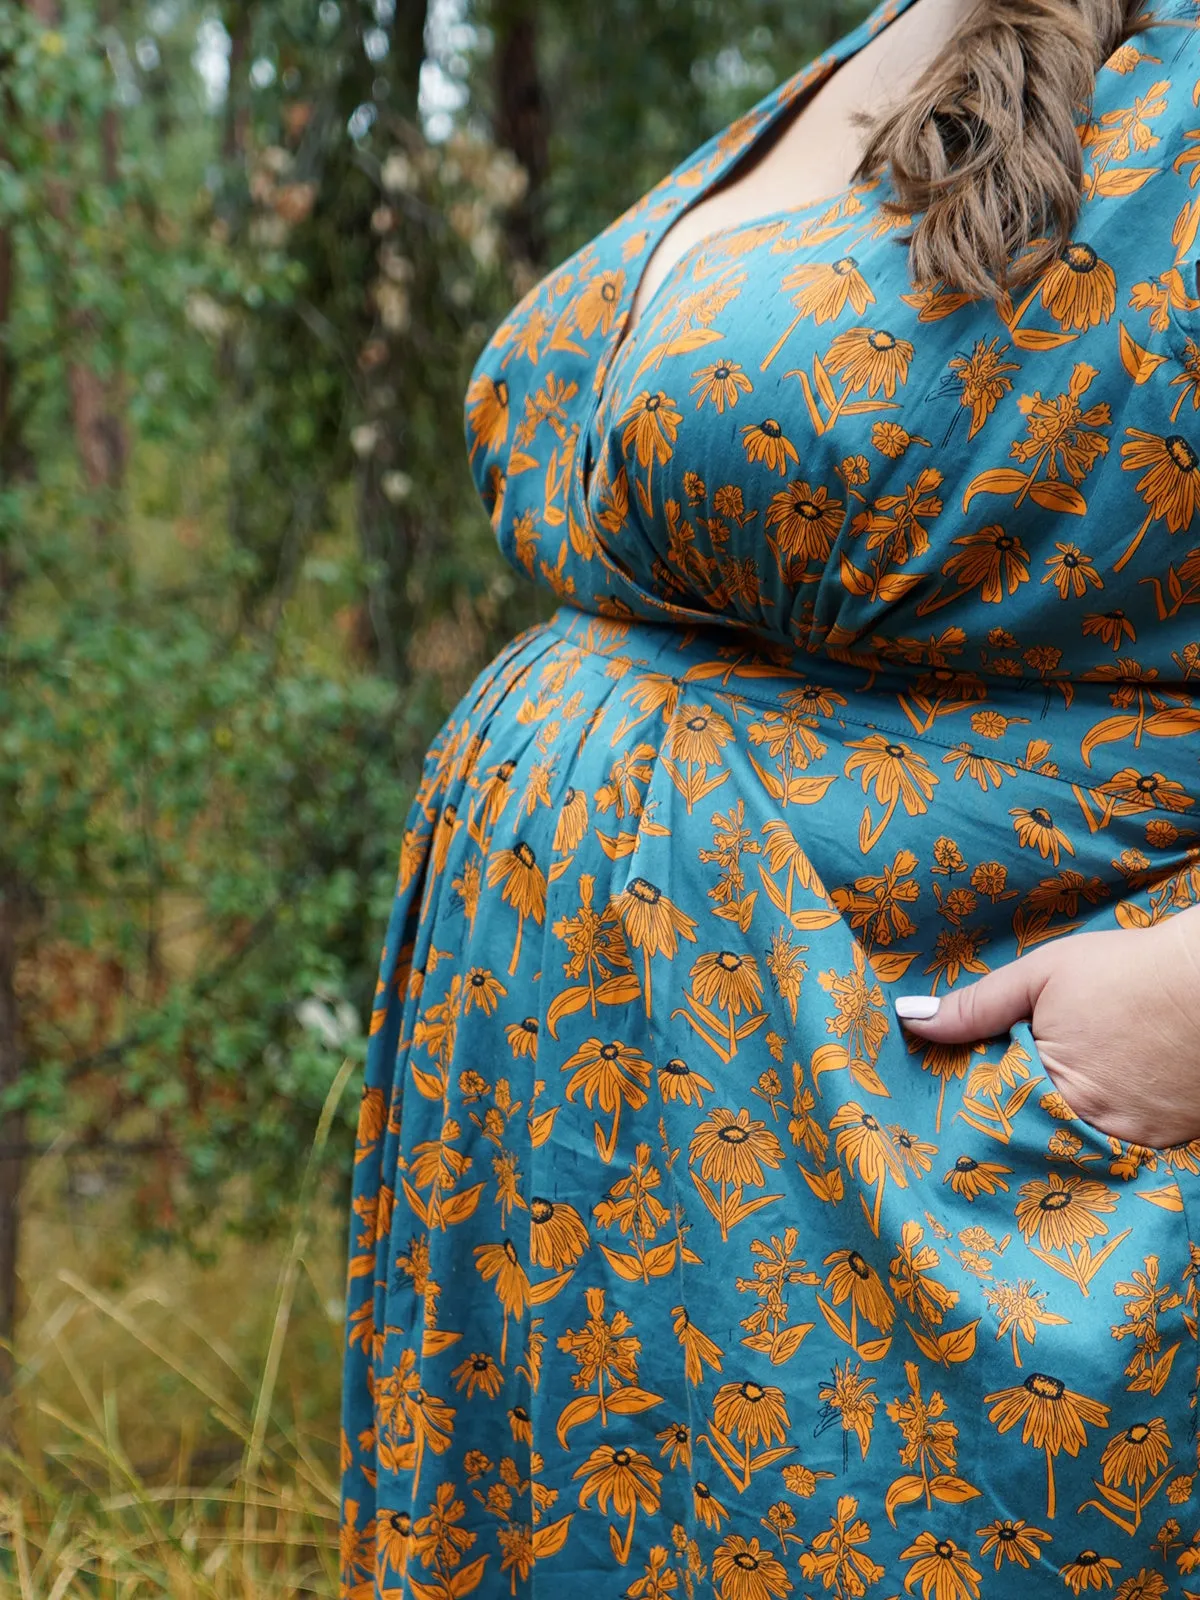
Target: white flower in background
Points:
(333, 1020)
(398, 175)
(485, 245)
(268, 233)
(393, 306)
(396, 485)
(206, 315)
(364, 438)
(505, 180)
(395, 266)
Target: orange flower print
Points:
(721, 384)
(870, 358)
(500, 1265)
(808, 522)
(698, 1349)
(853, 1279)
(862, 1016)
(1062, 435)
(487, 413)
(898, 775)
(557, 1235)
(709, 1509)
(1071, 572)
(1079, 289)
(1006, 1540)
(1170, 482)
(942, 1568)
(483, 990)
(1054, 1419)
(848, 1399)
(394, 1542)
(624, 1478)
(891, 440)
(478, 1372)
(838, 1554)
(827, 288)
(1089, 1570)
(1063, 1211)
(751, 1414)
(867, 1149)
(1136, 1454)
(767, 442)
(1133, 791)
(572, 825)
(610, 1075)
(993, 561)
(698, 734)
(1036, 831)
(651, 425)
(745, 1570)
(604, 1350)
(730, 982)
(895, 524)
(653, 924)
(982, 380)
(971, 1178)
(676, 1442)
(733, 1149)
(522, 885)
(679, 1081)
(897, 772)
(598, 304)
(1144, 1585)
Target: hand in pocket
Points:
(1116, 1018)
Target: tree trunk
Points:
(238, 22)
(522, 121)
(408, 45)
(94, 402)
(12, 1139)
(12, 1123)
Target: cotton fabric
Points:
(677, 1268)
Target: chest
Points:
(816, 148)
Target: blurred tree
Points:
(238, 308)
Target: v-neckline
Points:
(788, 99)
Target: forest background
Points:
(248, 255)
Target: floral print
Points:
(675, 1264)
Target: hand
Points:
(1115, 1016)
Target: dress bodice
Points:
(796, 439)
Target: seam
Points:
(899, 730)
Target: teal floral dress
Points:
(677, 1267)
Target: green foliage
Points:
(243, 569)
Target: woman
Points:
(680, 1263)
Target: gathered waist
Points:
(1128, 737)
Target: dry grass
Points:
(175, 1425)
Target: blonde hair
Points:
(986, 148)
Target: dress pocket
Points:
(1074, 1256)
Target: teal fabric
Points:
(676, 1266)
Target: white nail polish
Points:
(917, 1007)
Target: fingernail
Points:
(917, 1007)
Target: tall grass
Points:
(174, 1426)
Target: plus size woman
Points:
(779, 1160)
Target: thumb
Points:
(981, 1010)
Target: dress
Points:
(677, 1267)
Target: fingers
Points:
(981, 1010)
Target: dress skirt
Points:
(677, 1267)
